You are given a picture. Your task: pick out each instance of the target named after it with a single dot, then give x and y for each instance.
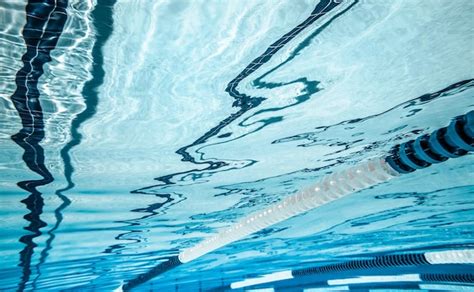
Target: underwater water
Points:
(133, 129)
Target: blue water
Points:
(133, 129)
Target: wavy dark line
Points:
(44, 24)
(58, 214)
(214, 166)
(35, 204)
(245, 102)
(102, 18)
(310, 87)
(420, 100)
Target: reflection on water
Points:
(229, 107)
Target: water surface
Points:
(133, 129)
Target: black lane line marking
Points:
(213, 166)
(45, 22)
(245, 103)
(242, 101)
(102, 17)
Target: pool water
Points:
(131, 130)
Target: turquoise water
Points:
(133, 129)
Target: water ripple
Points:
(230, 106)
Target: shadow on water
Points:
(102, 17)
(45, 21)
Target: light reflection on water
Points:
(178, 117)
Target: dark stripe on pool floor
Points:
(102, 17)
(245, 102)
(45, 21)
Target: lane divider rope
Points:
(454, 256)
(455, 140)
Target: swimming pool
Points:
(133, 130)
